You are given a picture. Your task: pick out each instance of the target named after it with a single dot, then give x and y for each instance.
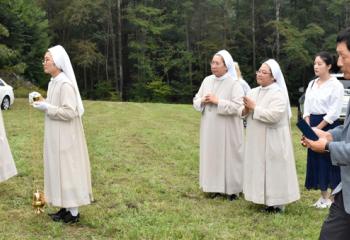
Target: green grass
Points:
(144, 161)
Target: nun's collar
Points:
(271, 86)
(223, 77)
(58, 77)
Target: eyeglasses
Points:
(262, 72)
(212, 63)
(45, 61)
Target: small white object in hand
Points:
(33, 96)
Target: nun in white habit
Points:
(7, 165)
(269, 167)
(67, 177)
(220, 101)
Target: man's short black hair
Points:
(344, 36)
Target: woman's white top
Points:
(326, 98)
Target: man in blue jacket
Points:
(337, 142)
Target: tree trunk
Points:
(188, 48)
(85, 78)
(278, 5)
(253, 35)
(347, 8)
(120, 55)
(98, 78)
(224, 16)
(114, 55)
(107, 53)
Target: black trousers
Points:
(337, 224)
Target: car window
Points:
(1, 83)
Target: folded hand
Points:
(249, 103)
(210, 98)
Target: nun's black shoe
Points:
(69, 218)
(272, 209)
(232, 197)
(214, 195)
(59, 215)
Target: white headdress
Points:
(278, 76)
(62, 61)
(229, 63)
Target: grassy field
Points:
(144, 161)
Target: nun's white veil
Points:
(278, 76)
(229, 63)
(62, 61)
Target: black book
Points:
(306, 130)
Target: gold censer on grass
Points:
(38, 201)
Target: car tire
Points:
(5, 105)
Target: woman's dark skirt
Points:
(320, 173)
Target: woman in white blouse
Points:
(323, 102)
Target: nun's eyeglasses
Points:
(45, 61)
(213, 63)
(262, 72)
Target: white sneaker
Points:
(318, 202)
(325, 203)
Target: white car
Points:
(6, 95)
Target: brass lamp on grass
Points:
(38, 202)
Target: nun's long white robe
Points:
(66, 160)
(7, 165)
(269, 168)
(221, 136)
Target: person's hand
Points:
(316, 146)
(323, 134)
(245, 111)
(210, 98)
(249, 103)
(41, 105)
(302, 141)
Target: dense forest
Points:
(159, 50)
